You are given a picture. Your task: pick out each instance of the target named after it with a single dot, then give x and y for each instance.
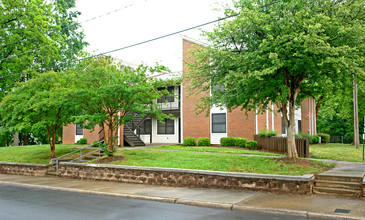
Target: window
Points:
(283, 127)
(216, 88)
(166, 128)
(219, 123)
(299, 126)
(169, 98)
(79, 130)
(145, 127)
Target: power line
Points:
(67, 27)
(140, 43)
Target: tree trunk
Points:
(16, 139)
(290, 127)
(25, 140)
(53, 145)
(111, 144)
(356, 117)
(51, 141)
(292, 149)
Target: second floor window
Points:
(169, 98)
(79, 130)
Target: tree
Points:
(41, 103)
(34, 35)
(108, 93)
(336, 114)
(279, 54)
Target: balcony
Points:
(170, 103)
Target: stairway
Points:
(52, 170)
(128, 134)
(338, 185)
(131, 138)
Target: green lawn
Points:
(335, 151)
(217, 162)
(216, 150)
(36, 154)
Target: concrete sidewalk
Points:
(307, 206)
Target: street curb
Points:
(293, 212)
(190, 202)
(205, 204)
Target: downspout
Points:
(256, 121)
(273, 119)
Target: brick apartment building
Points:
(219, 123)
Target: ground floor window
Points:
(219, 123)
(145, 127)
(167, 127)
(299, 126)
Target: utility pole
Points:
(356, 117)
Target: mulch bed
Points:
(109, 159)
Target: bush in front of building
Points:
(251, 144)
(240, 142)
(228, 141)
(325, 138)
(82, 141)
(203, 141)
(314, 139)
(189, 141)
(267, 133)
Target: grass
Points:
(335, 151)
(216, 150)
(218, 162)
(36, 154)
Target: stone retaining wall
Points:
(189, 178)
(24, 169)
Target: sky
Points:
(134, 21)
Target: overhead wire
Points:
(137, 44)
(69, 26)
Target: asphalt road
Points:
(32, 203)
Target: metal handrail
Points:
(85, 155)
(57, 160)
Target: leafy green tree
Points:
(36, 34)
(280, 54)
(336, 115)
(41, 103)
(108, 93)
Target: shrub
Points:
(314, 139)
(251, 144)
(348, 139)
(227, 141)
(240, 142)
(189, 141)
(82, 141)
(203, 141)
(265, 133)
(301, 135)
(325, 138)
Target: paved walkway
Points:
(307, 206)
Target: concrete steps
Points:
(338, 185)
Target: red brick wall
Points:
(193, 125)
(68, 134)
(92, 136)
(239, 125)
